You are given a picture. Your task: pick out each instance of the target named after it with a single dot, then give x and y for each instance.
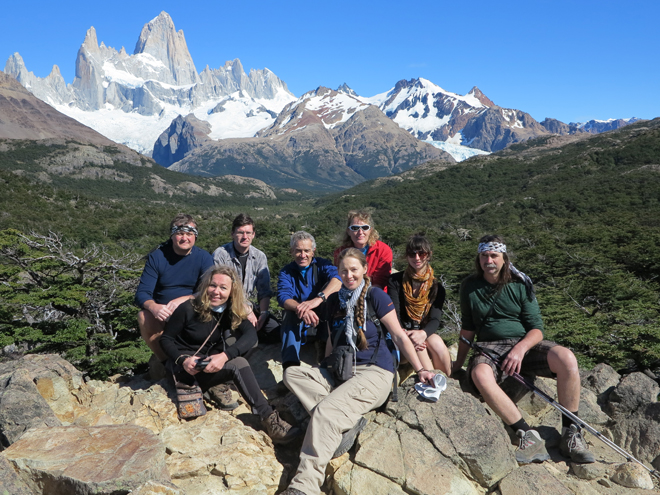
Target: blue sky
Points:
(570, 60)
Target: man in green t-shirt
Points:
(499, 308)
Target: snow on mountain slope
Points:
(131, 99)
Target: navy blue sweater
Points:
(168, 275)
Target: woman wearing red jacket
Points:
(361, 234)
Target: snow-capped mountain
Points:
(132, 98)
(433, 114)
(325, 139)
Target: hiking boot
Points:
(220, 395)
(531, 447)
(573, 446)
(348, 437)
(292, 491)
(279, 430)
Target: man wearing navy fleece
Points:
(170, 277)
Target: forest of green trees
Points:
(583, 220)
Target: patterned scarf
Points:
(417, 307)
(348, 300)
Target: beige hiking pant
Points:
(333, 411)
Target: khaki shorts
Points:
(535, 361)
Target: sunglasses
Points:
(422, 254)
(355, 228)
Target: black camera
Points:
(202, 364)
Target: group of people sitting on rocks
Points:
(201, 314)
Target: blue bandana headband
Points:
(184, 228)
(495, 247)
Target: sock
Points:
(521, 424)
(566, 422)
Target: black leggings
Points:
(238, 371)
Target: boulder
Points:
(10, 482)
(220, 445)
(459, 428)
(408, 458)
(21, 406)
(632, 392)
(75, 460)
(632, 475)
(601, 380)
(639, 434)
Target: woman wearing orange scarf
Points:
(418, 300)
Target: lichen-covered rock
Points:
(408, 458)
(220, 445)
(351, 479)
(75, 460)
(601, 380)
(639, 433)
(461, 429)
(10, 482)
(21, 406)
(632, 392)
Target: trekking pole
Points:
(529, 385)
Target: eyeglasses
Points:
(422, 254)
(355, 228)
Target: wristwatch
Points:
(321, 295)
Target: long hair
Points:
(235, 303)
(352, 252)
(505, 273)
(365, 217)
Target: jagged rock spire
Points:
(160, 39)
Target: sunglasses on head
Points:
(355, 228)
(414, 254)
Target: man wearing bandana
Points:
(169, 278)
(499, 309)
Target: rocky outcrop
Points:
(100, 459)
(183, 135)
(496, 128)
(124, 435)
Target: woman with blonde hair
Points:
(337, 407)
(200, 358)
(418, 300)
(361, 234)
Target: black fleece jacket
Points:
(185, 332)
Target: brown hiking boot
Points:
(279, 430)
(220, 395)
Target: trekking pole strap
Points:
(581, 423)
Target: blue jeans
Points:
(294, 334)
